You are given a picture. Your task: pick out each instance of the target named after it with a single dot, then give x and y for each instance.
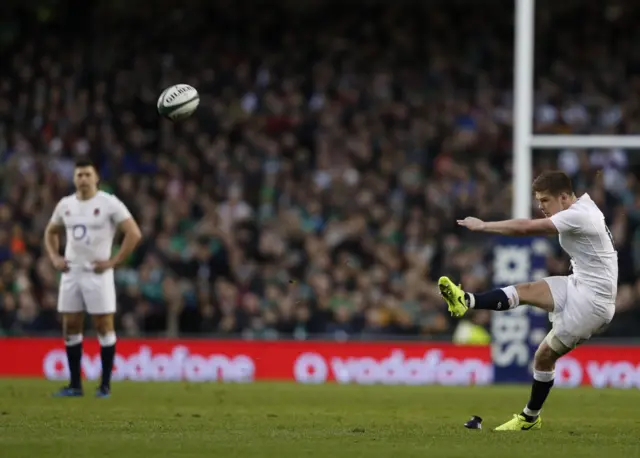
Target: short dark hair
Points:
(554, 182)
(85, 162)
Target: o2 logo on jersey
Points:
(79, 233)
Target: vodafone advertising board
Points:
(389, 363)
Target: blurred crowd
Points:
(316, 189)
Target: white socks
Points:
(73, 339)
(540, 376)
(107, 340)
(512, 295)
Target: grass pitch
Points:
(286, 420)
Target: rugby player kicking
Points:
(581, 304)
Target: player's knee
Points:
(103, 324)
(105, 329)
(72, 324)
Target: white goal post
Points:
(523, 138)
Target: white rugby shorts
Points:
(82, 290)
(578, 313)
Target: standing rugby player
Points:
(90, 219)
(581, 304)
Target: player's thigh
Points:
(538, 293)
(558, 287)
(70, 299)
(99, 293)
(577, 322)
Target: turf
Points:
(286, 420)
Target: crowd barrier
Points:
(405, 363)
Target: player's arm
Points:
(512, 227)
(52, 240)
(125, 223)
(132, 237)
(569, 220)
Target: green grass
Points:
(286, 420)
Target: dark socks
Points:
(74, 358)
(539, 392)
(492, 300)
(107, 354)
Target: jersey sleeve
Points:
(569, 220)
(56, 217)
(119, 211)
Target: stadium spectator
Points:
(317, 187)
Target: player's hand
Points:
(60, 264)
(102, 266)
(471, 223)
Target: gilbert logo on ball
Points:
(178, 102)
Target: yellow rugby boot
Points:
(519, 423)
(454, 296)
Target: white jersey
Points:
(90, 226)
(584, 235)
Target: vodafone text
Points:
(307, 368)
(310, 362)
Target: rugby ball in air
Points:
(178, 102)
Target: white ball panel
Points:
(178, 102)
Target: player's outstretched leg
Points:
(107, 339)
(459, 301)
(72, 324)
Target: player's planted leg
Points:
(107, 339)
(543, 377)
(72, 324)
(544, 364)
(542, 384)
